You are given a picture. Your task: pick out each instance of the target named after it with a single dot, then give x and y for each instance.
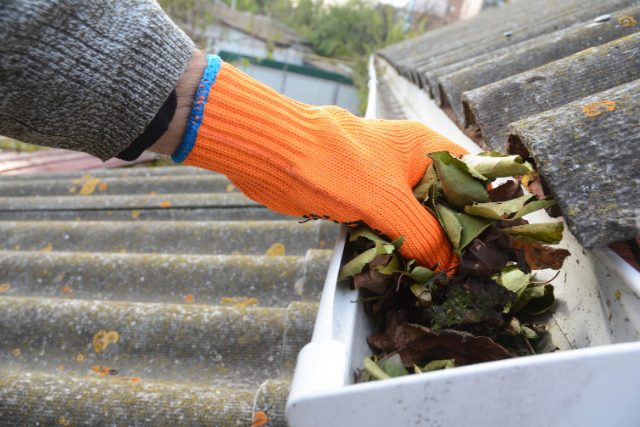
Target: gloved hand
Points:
(317, 162)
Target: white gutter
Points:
(597, 313)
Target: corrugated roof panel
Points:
(588, 151)
(481, 71)
(210, 314)
(596, 69)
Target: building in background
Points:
(277, 56)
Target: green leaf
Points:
(397, 243)
(460, 228)
(421, 275)
(366, 233)
(511, 209)
(541, 304)
(395, 265)
(535, 206)
(494, 165)
(393, 366)
(450, 224)
(356, 265)
(439, 364)
(375, 370)
(430, 178)
(515, 280)
(430, 202)
(548, 233)
(529, 333)
(461, 184)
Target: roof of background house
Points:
(258, 26)
(211, 296)
(556, 81)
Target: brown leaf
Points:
(371, 279)
(424, 344)
(507, 191)
(540, 257)
(480, 259)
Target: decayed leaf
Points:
(422, 343)
(541, 257)
(371, 278)
(435, 365)
(548, 233)
(507, 191)
(430, 178)
(393, 366)
(421, 293)
(480, 259)
(494, 165)
(535, 300)
(511, 209)
(461, 184)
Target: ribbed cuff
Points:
(195, 119)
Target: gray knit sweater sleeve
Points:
(86, 75)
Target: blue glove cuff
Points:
(209, 78)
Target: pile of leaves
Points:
(487, 310)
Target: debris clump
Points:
(484, 309)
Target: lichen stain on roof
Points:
(553, 80)
(152, 318)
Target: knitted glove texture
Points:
(321, 162)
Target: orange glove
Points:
(317, 162)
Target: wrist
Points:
(186, 90)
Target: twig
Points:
(370, 299)
(544, 283)
(391, 354)
(437, 276)
(399, 278)
(529, 345)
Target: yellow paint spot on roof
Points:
(259, 419)
(135, 213)
(5, 287)
(47, 248)
(277, 249)
(153, 193)
(123, 251)
(103, 338)
(240, 302)
(230, 188)
(80, 358)
(72, 189)
(627, 21)
(165, 204)
(599, 107)
(16, 352)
